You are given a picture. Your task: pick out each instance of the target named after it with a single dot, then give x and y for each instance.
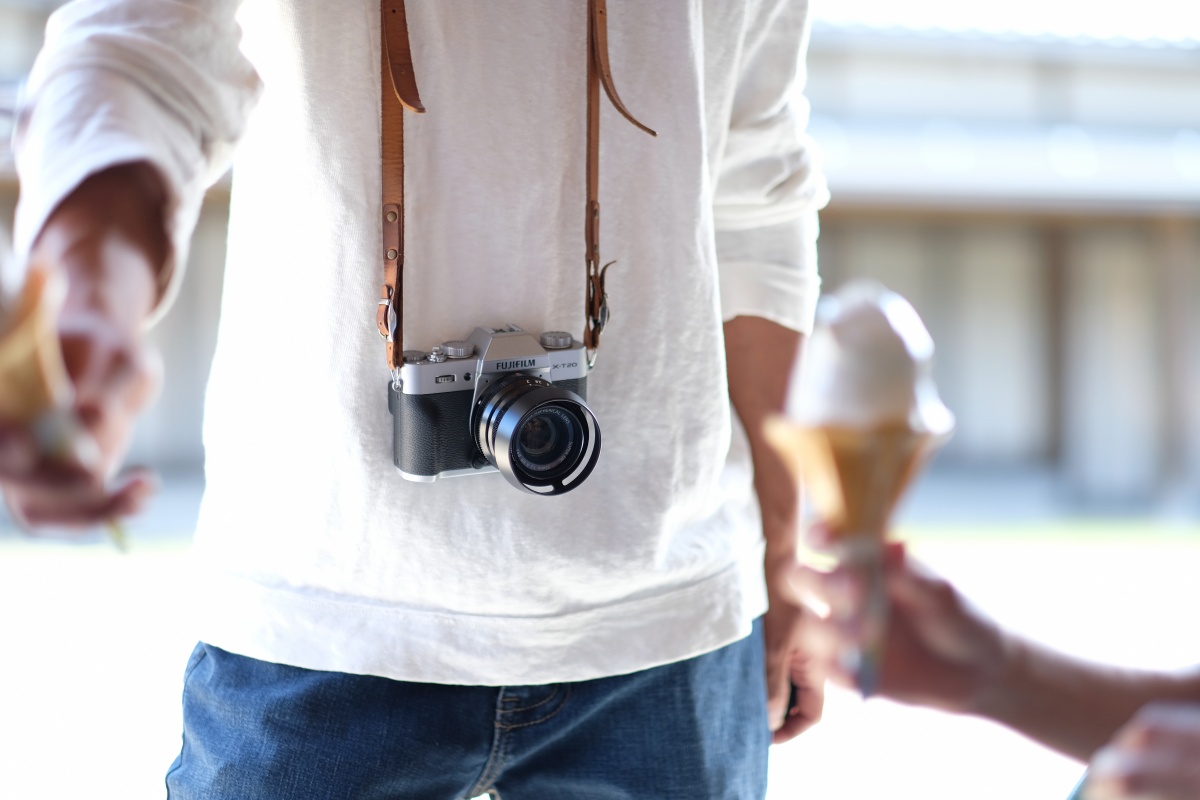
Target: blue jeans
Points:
(253, 730)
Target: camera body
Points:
(500, 400)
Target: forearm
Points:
(130, 81)
(109, 238)
(761, 355)
(1071, 705)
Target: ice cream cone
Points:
(854, 477)
(863, 418)
(33, 377)
(35, 388)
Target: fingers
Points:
(1121, 775)
(19, 454)
(837, 598)
(57, 471)
(115, 377)
(22, 462)
(807, 588)
(1155, 755)
(806, 700)
(821, 535)
(778, 686)
(832, 635)
(79, 507)
(795, 679)
(794, 682)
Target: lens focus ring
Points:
(541, 437)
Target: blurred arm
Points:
(109, 238)
(130, 113)
(760, 354)
(943, 652)
(767, 192)
(118, 82)
(1072, 705)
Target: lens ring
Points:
(501, 418)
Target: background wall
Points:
(1036, 196)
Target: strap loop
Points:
(398, 91)
(398, 54)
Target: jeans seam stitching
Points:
(549, 698)
(496, 757)
(548, 717)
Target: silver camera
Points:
(501, 400)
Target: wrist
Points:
(778, 565)
(1002, 682)
(107, 238)
(779, 503)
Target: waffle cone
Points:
(854, 477)
(33, 377)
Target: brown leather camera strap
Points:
(399, 91)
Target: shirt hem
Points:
(344, 635)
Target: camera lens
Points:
(543, 438)
(538, 435)
(546, 440)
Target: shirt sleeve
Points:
(769, 186)
(117, 81)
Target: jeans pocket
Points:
(198, 654)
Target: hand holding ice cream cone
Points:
(75, 370)
(863, 418)
(35, 390)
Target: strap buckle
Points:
(598, 310)
(384, 324)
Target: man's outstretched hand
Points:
(108, 240)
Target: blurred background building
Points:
(1031, 181)
(1037, 197)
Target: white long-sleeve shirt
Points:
(314, 551)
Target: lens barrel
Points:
(543, 438)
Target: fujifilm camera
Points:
(502, 400)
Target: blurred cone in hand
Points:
(35, 388)
(855, 477)
(33, 377)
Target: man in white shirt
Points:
(366, 635)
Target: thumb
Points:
(779, 687)
(779, 693)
